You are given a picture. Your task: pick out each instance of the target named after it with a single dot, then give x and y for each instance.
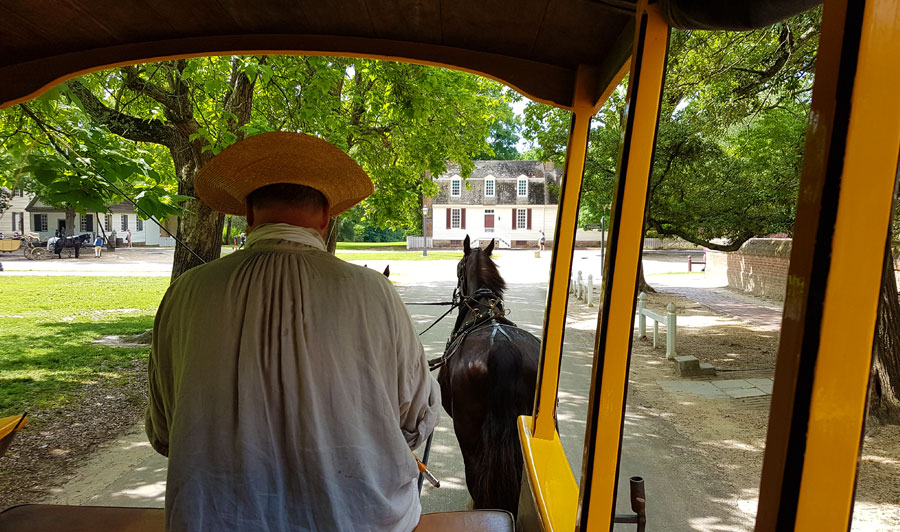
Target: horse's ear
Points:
(466, 246)
(387, 271)
(489, 248)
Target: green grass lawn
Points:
(384, 246)
(399, 255)
(46, 328)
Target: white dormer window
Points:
(490, 186)
(522, 187)
(455, 186)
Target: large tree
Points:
(399, 121)
(728, 156)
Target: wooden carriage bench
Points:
(58, 518)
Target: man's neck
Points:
(299, 219)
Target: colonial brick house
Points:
(510, 201)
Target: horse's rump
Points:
(490, 384)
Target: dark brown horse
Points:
(487, 380)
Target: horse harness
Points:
(493, 316)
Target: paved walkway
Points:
(720, 388)
(761, 314)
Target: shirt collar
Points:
(293, 233)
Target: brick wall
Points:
(760, 267)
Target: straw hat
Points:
(281, 157)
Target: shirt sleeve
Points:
(155, 422)
(419, 393)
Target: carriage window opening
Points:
(139, 224)
(489, 187)
(124, 222)
(521, 218)
(455, 218)
(455, 187)
(522, 187)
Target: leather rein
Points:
(493, 315)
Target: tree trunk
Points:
(200, 228)
(70, 221)
(884, 389)
(332, 233)
(642, 282)
(100, 227)
(227, 239)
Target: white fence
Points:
(415, 242)
(668, 243)
(669, 320)
(583, 288)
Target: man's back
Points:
(286, 388)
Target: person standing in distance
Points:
(287, 386)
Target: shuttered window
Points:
(18, 222)
(40, 222)
(521, 219)
(87, 223)
(455, 218)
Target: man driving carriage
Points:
(287, 387)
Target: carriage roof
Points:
(537, 51)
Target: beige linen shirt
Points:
(287, 388)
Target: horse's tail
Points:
(510, 395)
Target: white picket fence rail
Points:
(670, 320)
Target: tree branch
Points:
(124, 125)
(133, 81)
(734, 245)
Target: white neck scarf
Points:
(293, 233)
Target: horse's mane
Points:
(489, 274)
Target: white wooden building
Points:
(27, 214)
(510, 201)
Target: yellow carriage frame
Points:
(572, 54)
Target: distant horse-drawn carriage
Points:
(29, 244)
(68, 245)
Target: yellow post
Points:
(846, 191)
(614, 327)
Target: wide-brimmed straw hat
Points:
(281, 157)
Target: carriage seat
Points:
(113, 519)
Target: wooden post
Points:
(671, 328)
(642, 320)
